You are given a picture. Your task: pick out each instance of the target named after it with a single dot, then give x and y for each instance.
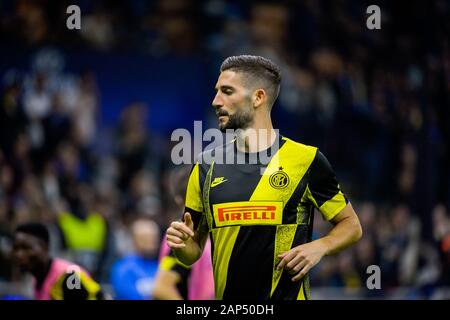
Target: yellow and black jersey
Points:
(256, 211)
(85, 289)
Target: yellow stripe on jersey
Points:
(294, 160)
(206, 189)
(333, 206)
(168, 262)
(224, 240)
(301, 294)
(330, 208)
(284, 237)
(303, 213)
(306, 287)
(193, 193)
(308, 195)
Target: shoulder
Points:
(298, 151)
(298, 146)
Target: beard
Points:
(241, 119)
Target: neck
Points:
(259, 136)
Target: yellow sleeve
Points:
(323, 189)
(193, 192)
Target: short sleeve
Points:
(193, 192)
(194, 203)
(323, 188)
(171, 263)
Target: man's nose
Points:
(217, 102)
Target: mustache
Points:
(220, 113)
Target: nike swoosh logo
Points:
(216, 183)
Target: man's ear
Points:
(259, 98)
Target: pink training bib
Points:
(201, 279)
(57, 269)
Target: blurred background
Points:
(86, 117)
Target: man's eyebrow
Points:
(223, 87)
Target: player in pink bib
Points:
(53, 278)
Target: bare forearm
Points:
(300, 259)
(193, 249)
(186, 244)
(345, 233)
(190, 253)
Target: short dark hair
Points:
(35, 229)
(259, 68)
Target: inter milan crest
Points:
(279, 179)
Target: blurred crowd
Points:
(376, 102)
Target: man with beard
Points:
(53, 278)
(260, 214)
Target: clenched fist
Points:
(179, 232)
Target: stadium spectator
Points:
(133, 276)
